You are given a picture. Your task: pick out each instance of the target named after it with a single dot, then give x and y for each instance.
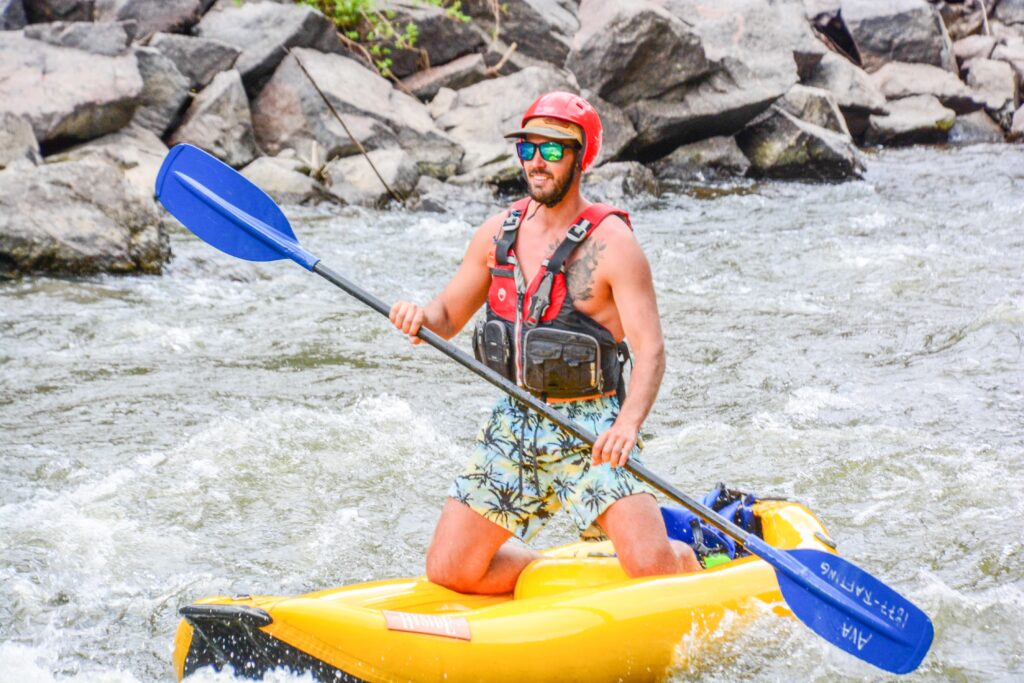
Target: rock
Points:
(779, 145)
(973, 47)
(617, 129)
(542, 29)
(899, 79)
(198, 59)
(714, 158)
(1017, 125)
(101, 38)
(12, 15)
(87, 95)
(440, 37)
(620, 180)
(912, 120)
(282, 179)
(996, 85)
(291, 114)
(1006, 33)
(853, 89)
(815, 105)
(165, 92)
(807, 49)
(153, 16)
(41, 11)
(77, 218)
(17, 141)
(974, 128)
(353, 180)
(1012, 54)
(465, 70)
(898, 31)
(1010, 11)
(219, 121)
(963, 18)
(482, 113)
(261, 29)
(136, 151)
(443, 101)
(716, 70)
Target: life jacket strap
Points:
(509, 229)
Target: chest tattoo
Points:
(580, 273)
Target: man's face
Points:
(549, 181)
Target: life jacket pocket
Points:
(492, 346)
(561, 364)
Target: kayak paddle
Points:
(840, 602)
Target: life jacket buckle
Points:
(578, 231)
(541, 299)
(511, 223)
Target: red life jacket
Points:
(550, 348)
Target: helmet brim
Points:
(543, 131)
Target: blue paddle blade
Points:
(224, 209)
(855, 611)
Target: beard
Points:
(556, 193)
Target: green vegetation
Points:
(372, 31)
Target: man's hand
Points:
(614, 445)
(408, 317)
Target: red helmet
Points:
(568, 107)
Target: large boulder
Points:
(995, 83)
(807, 48)
(717, 67)
(283, 179)
(77, 218)
(899, 79)
(912, 120)
(86, 95)
(617, 130)
(815, 105)
(138, 152)
(898, 31)
(197, 59)
(620, 182)
(290, 114)
(541, 29)
(165, 92)
(1012, 54)
(152, 16)
(41, 11)
(354, 180)
(856, 95)
(711, 159)
(12, 15)
(1010, 11)
(101, 38)
(779, 145)
(261, 29)
(17, 141)
(220, 121)
(1017, 125)
(440, 36)
(973, 47)
(974, 128)
(480, 115)
(458, 73)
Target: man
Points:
(565, 282)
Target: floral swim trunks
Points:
(524, 468)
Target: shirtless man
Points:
(565, 282)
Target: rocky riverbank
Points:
(92, 93)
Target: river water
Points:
(233, 427)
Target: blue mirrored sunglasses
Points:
(549, 151)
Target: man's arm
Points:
(629, 276)
(455, 305)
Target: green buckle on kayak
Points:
(714, 560)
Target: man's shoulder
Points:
(614, 229)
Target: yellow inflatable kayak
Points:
(574, 616)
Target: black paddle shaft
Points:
(532, 402)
